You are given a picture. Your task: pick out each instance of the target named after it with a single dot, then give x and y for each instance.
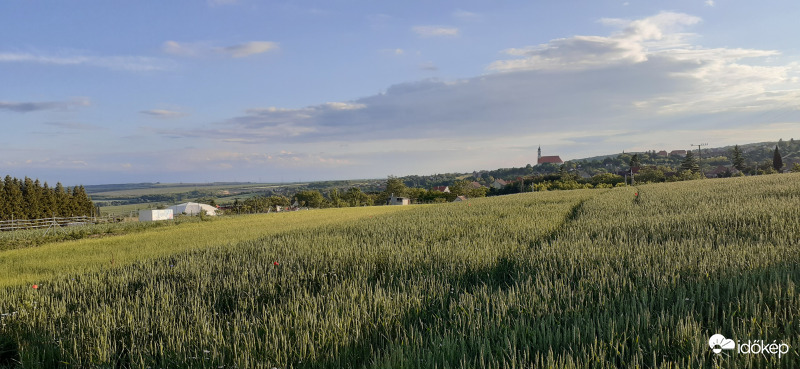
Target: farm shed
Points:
(399, 200)
(193, 208)
(460, 198)
(154, 215)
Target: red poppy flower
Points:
(35, 286)
(275, 263)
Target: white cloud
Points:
(195, 49)
(632, 44)
(183, 49)
(164, 113)
(591, 94)
(709, 2)
(465, 15)
(393, 52)
(249, 48)
(428, 66)
(344, 106)
(435, 31)
(72, 125)
(125, 63)
(34, 106)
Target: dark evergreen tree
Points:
(777, 161)
(689, 163)
(38, 196)
(12, 196)
(29, 199)
(635, 161)
(3, 202)
(61, 207)
(31, 202)
(48, 201)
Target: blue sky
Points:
(250, 90)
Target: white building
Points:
(399, 200)
(153, 215)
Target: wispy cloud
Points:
(638, 40)
(465, 15)
(195, 49)
(164, 113)
(27, 107)
(709, 2)
(124, 63)
(435, 31)
(646, 84)
(223, 159)
(72, 125)
(249, 48)
(649, 70)
(429, 66)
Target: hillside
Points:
(128, 198)
(616, 278)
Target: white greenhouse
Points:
(193, 208)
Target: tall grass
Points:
(34, 237)
(569, 279)
(35, 265)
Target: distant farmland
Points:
(126, 199)
(632, 277)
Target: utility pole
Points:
(699, 154)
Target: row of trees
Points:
(563, 180)
(354, 196)
(461, 187)
(766, 166)
(306, 198)
(29, 199)
(751, 159)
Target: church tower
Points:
(540, 154)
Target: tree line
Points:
(30, 199)
(353, 197)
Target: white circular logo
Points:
(718, 343)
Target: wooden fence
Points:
(18, 224)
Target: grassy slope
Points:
(35, 237)
(36, 265)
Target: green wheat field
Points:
(562, 279)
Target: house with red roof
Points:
(498, 183)
(444, 189)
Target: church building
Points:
(548, 159)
